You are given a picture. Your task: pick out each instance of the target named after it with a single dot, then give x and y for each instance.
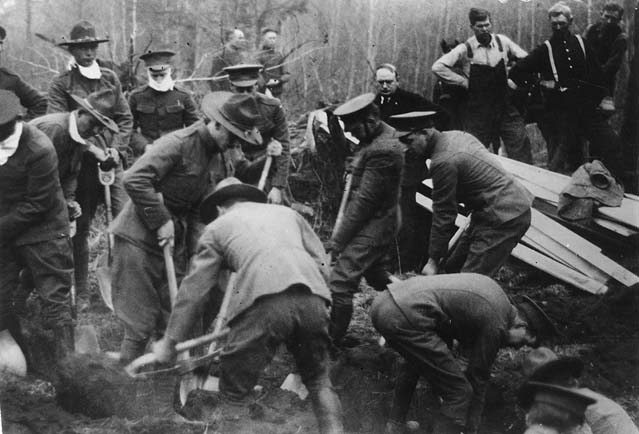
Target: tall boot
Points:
(328, 410)
(341, 313)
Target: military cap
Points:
(538, 321)
(570, 400)
(82, 33)
(228, 188)
(100, 105)
(244, 74)
(238, 113)
(9, 106)
(542, 364)
(355, 106)
(158, 60)
(412, 121)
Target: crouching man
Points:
(280, 295)
(420, 317)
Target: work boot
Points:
(64, 341)
(341, 313)
(328, 411)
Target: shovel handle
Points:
(343, 202)
(170, 272)
(134, 367)
(265, 170)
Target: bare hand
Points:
(274, 148)
(113, 153)
(430, 269)
(74, 209)
(164, 350)
(166, 233)
(275, 196)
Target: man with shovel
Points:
(34, 229)
(279, 296)
(166, 186)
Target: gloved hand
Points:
(108, 164)
(75, 211)
(164, 350)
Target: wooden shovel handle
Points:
(170, 271)
(267, 167)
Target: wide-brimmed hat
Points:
(538, 321)
(243, 75)
(158, 59)
(82, 33)
(567, 399)
(238, 113)
(542, 364)
(412, 121)
(100, 105)
(354, 106)
(9, 106)
(227, 189)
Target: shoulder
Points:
(36, 140)
(51, 121)
(139, 90)
(268, 100)
(63, 77)
(183, 93)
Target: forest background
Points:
(334, 45)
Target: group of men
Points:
(196, 190)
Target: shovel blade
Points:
(11, 357)
(103, 274)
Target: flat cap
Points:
(564, 398)
(412, 121)
(542, 364)
(9, 106)
(243, 74)
(355, 105)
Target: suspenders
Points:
(469, 49)
(551, 58)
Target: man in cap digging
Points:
(602, 417)
(463, 171)
(280, 295)
(83, 78)
(421, 316)
(370, 222)
(159, 107)
(274, 130)
(166, 186)
(34, 101)
(34, 229)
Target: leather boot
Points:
(328, 411)
(64, 341)
(341, 313)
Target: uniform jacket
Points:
(34, 101)
(578, 75)
(228, 57)
(56, 127)
(157, 113)
(464, 171)
(71, 82)
(32, 208)
(178, 166)
(272, 125)
(273, 69)
(269, 247)
(372, 209)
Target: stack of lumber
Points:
(555, 249)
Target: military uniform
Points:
(228, 57)
(370, 223)
(34, 101)
(90, 192)
(273, 70)
(157, 113)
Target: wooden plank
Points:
(615, 227)
(585, 249)
(558, 270)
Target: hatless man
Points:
(279, 296)
(603, 416)
(233, 52)
(166, 186)
(463, 171)
(609, 43)
(366, 233)
(32, 100)
(273, 128)
(159, 107)
(483, 58)
(421, 316)
(275, 74)
(34, 226)
(83, 78)
(392, 100)
(573, 86)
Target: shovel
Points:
(12, 359)
(103, 270)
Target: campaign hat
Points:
(227, 189)
(100, 105)
(238, 113)
(82, 33)
(542, 364)
(570, 400)
(538, 321)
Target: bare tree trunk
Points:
(589, 20)
(519, 7)
(532, 26)
(29, 38)
(371, 44)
